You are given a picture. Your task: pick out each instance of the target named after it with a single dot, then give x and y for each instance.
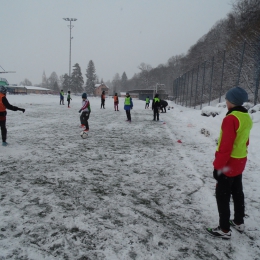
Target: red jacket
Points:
(229, 166)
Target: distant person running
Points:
(147, 102)
(128, 106)
(61, 97)
(116, 102)
(69, 99)
(85, 109)
(103, 99)
(4, 104)
(156, 106)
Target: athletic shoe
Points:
(4, 143)
(82, 126)
(86, 130)
(217, 232)
(240, 227)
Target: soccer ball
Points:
(84, 135)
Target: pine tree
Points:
(44, 80)
(56, 87)
(124, 81)
(66, 83)
(91, 77)
(76, 79)
(52, 79)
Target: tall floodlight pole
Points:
(70, 27)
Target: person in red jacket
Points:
(116, 102)
(4, 104)
(229, 164)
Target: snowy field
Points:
(128, 191)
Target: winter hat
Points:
(84, 95)
(237, 96)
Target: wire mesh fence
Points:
(239, 65)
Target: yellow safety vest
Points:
(245, 125)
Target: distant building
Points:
(27, 90)
(99, 88)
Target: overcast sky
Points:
(118, 35)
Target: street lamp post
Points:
(70, 27)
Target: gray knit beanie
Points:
(237, 96)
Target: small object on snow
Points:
(84, 134)
(179, 141)
(164, 123)
(190, 125)
(205, 132)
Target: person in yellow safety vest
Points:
(147, 102)
(156, 106)
(229, 164)
(128, 105)
(4, 104)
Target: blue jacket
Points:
(128, 107)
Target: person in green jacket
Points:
(61, 97)
(147, 102)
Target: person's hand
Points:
(23, 110)
(80, 111)
(216, 174)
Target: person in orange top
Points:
(103, 98)
(4, 104)
(116, 102)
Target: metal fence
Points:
(207, 81)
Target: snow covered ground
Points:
(129, 191)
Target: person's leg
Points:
(154, 114)
(238, 198)
(3, 130)
(223, 194)
(157, 113)
(128, 115)
(82, 118)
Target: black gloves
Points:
(216, 174)
(80, 111)
(22, 109)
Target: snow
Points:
(128, 191)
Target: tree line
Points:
(236, 35)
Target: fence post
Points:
(187, 95)
(196, 86)
(184, 89)
(210, 87)
(202, 87)
(191, 86)
(241, 63)
(222, 75)
(257, 73)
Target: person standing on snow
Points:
(4, 104)
(69, 99)
(156, 106)
(85, 109)
(229, 164)
(128, 105)
(147, 102)
(116, 102)
(103, 99)
(61, 97)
